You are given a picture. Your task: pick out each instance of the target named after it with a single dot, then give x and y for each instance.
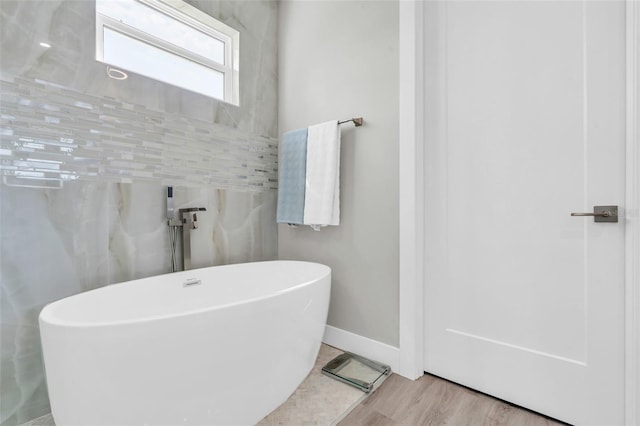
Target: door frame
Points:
(412, 201)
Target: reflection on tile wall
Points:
(85, 161)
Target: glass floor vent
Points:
(356, 371)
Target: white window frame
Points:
(188, 15)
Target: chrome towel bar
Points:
(357, 121)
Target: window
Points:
(170, 41)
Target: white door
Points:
(524, 122)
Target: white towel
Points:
(322, 189)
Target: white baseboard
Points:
(368, 348)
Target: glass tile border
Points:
(51, 134)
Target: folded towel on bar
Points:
(322, 189)
(292, 175)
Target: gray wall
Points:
(340, 60)
(106, 221)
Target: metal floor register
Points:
(356, 371)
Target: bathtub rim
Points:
(45, 318)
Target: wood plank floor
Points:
(431, 400)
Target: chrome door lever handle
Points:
(602, 214)
(605, 213)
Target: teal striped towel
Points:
(292, 166)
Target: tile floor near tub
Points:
(318, 401)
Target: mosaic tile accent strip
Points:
(51, 134)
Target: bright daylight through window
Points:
(170, 41)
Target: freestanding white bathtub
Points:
(215, 346)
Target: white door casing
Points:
(484, 109)
(632, 237)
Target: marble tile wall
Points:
(105, 222)
(69, 27)
(59, 242)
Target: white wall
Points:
(340, 60)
